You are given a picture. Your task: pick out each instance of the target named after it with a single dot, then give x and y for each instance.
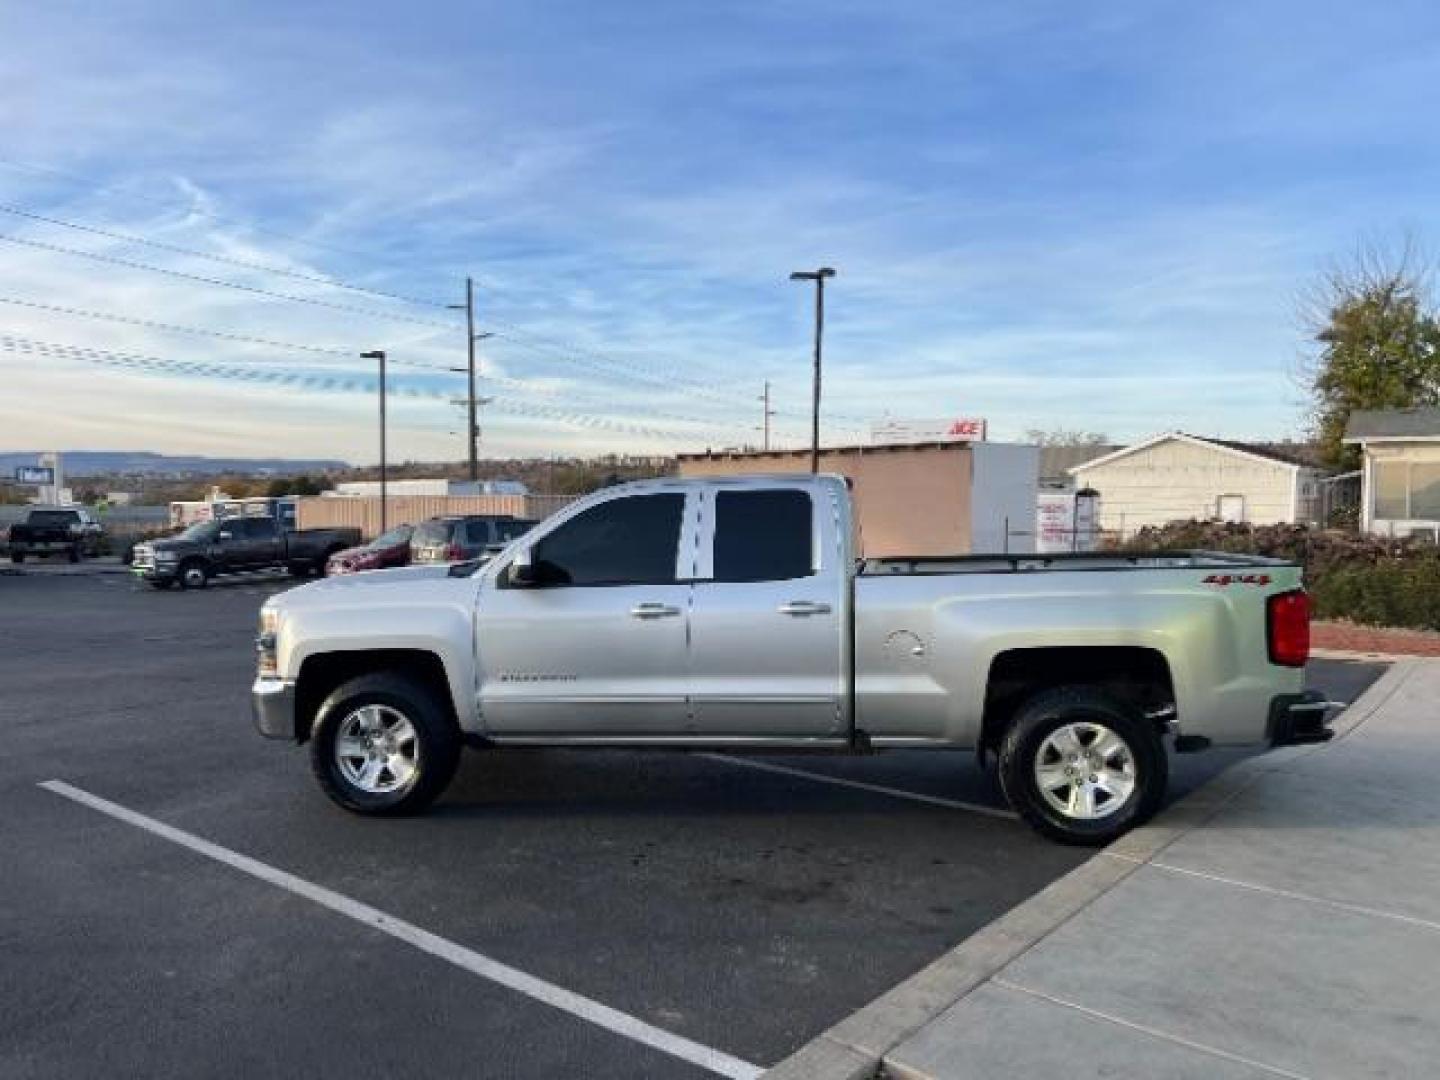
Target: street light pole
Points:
(379, 354)
(817, 276)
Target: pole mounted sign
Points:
(952, 429)
(41, 475)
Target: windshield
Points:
(53, 517)
(202, 530)
(398, 535)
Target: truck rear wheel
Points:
(1081, 766)
(383, 745)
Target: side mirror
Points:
(522, 568)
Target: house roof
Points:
(1368, 425)
(1258, 451)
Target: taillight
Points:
(1287, 628)
(454, 552)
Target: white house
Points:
(1400, 475)
(1179, 477)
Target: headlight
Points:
(265, 643)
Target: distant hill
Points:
(139, 463)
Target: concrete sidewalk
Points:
(1282, 921)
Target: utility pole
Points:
(767, 413)
(471, 428)
(817, 276)
(379, 354)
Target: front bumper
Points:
(272, 705)
(1296, 719)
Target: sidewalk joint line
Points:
(1290, 894)
(862, 785)
(577, 1005)
(1145, 1029)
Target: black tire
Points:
(162, 583)
(193, 574)
(1024, 742)
(436, 753)
(74, 553)
(299, 570)
(17, 556)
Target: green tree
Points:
(277, 488)
(1379, 345)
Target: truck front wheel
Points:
(383, 745)
(194, 575)
(1081, 766)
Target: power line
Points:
(151, 324)
(513, 334)
(169, 204)
(519, 385)
(243, 264)
(599, 361)
(113, 261)
(351, 384)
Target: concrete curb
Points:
(855, 1048)
(83, 569)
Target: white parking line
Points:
(620, 1023)
(879, 789)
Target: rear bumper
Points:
(1296, 719)
(272, 706)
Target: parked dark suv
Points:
(456, 539)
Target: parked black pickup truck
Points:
(70, 531)
(236, 545)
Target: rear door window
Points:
(763, 536)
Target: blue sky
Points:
(1048, 214)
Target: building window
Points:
(1406, 490)
(1230, 508)
(1425, 491)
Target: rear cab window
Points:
(764, 535)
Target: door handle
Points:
(804, 607)
(653, 610)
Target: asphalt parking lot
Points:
(741, 905)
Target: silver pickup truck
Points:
(736, 613)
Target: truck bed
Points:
(925, 565)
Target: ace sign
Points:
(949, 429)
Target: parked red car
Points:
(388, 549)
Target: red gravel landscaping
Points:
(1347, 637)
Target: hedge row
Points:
(1370, 580)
